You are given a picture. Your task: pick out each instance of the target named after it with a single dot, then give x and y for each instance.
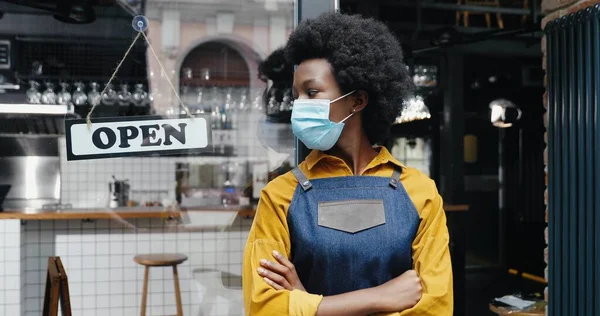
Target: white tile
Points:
(75, 275)
(103, 261)
(33, 304)
(88, 275)
(75, 262)
(89, 290)
(102, 288)
(2, 283)
(130, 300)
(32, 263)
(2, 297)
(32, 249)
(75, 289)
(12, 297)
(32, 278)
(12, 239)
(130, 274)
(46, 250)
(89, 301)
(143, 247)
(74, 249)
(12, 226)
(12, 309)
(12, 268)
(116, 300)
(12, 254)
(102, 274)
(117, 311)
(183, 246)
(129, 248)
(88, 249)
(61, 237)
(116, 247)
(170, 245)
(116, 287)
(88, 262)
(116, 234)
(12, 282)
(76, 301)
(131, 288)
(102, 248)
(130, 311)
(116, 274)
(32, 236)
(47, 236)
(102, 301)
(61, 249)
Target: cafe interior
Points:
(163, 233)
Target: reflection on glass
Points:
(94, 94)
(64, 96)
(49, 97)
(124, 96)
(33, 94)
(109, 97)
(79, 96)
(139, 96)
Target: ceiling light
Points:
(504, 113)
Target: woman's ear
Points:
(361, 99)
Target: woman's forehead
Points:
(313, 70)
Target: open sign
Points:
(137, 136)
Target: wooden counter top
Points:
(143, 212)
(117, 213)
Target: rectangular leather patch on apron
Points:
(351, 216)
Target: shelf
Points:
(44, 109)
(120, 213)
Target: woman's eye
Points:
(312, 93)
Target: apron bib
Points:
(350, 233)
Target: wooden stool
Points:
(161, 260)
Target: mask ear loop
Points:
(353, 110)
(347, 117)
(345, 95)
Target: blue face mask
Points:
(311, 124)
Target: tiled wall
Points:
(104, 279)
(10, 267)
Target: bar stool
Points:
(161, 260)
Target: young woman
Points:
(351, 231)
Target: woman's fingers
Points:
(274, 277)
(273, 284)
(283, 260)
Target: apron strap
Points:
(302, 179)
(395, 179)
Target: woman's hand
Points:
(280, 275)
(400, 293)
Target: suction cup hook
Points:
(139, 23)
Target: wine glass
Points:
(124, 96)
(33, 95)
(79, 96)
(94, 95)
(139, 96)
(64, 96)
(109, 97)
(49, 97)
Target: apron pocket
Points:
(351, 216)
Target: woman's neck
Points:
(356, 150)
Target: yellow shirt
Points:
(431, 256)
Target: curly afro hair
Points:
(364, 55)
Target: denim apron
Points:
(350, 233)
